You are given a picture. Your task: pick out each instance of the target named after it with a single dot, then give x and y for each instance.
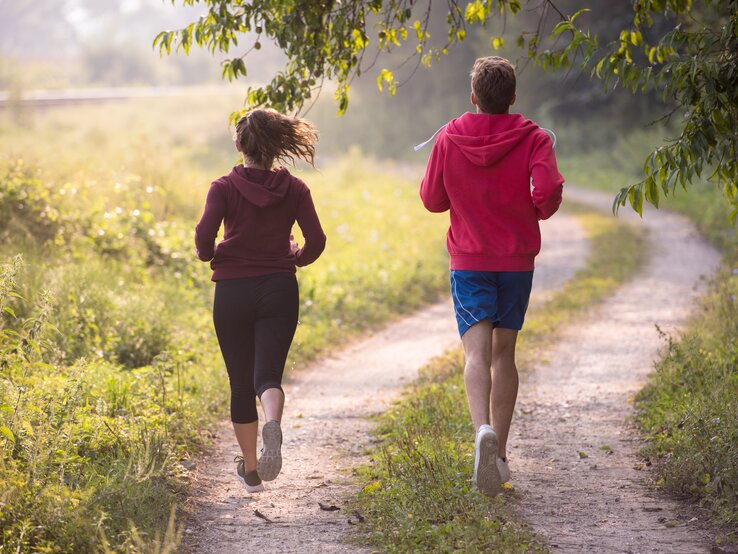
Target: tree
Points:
(685, 50)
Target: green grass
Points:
(417, 494)
(689, 409)
(110, 374)
(688, 412)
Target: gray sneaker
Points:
(487, 476)
(250, 479)
(270, 462)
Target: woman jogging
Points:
(256, 296)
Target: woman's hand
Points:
(294, 247)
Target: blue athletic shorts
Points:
(498, 296)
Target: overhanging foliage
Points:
(692, 65)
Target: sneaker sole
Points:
(488, 479)
(270, 462)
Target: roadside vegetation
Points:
(688, 412)
(110, 374)
(417, 494)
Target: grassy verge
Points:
(688, 412)
(418, 495)
(689, 409)
(110, 374)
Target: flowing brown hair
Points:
(265, 136)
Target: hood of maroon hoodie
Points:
(486, 138)
(261, 187)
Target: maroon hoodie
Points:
(259, 208)
(497, 175)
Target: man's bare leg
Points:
(477, 343)
(478, 349)
(504, 384)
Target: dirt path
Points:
(326, 428)
(578, 402)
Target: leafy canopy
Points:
(690, 58)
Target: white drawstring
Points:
(553, 135)
(422, 144)
(419, 146)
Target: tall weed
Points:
(69, 464)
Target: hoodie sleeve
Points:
(207, 229)
(546, 180)
(432, 190)
(307, 219)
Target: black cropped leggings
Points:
(255, 320)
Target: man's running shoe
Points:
(486, 473)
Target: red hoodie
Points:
(497, 174)
(259, 208)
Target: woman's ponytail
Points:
(265, 136)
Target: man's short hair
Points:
(493, 83)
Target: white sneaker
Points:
(504, 470)
(486, 473)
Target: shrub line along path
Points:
(326, 426)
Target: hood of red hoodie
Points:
(261, 187)
(486, 138)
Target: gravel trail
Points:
(574, 453)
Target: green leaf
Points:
(652, 191)
(636, 199)
(578, 13)
(619, 200)
(475, 12)
(7, 433)
(157, 38)
(386, 77)
(561, 27)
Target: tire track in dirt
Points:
(578, 401)
(326, 427)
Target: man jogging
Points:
(496, 172)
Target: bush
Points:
(141, 331)
(689, 410)
(28, 210)
(87, 446)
